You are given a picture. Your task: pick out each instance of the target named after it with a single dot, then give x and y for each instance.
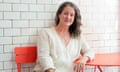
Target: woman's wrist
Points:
(86, 58)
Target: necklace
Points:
(65, 39)
(65, 36)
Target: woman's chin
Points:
(67, 23)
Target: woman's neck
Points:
(62, 29)
(63, 33)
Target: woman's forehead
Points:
(69, 8)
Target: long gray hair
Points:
(74, 29)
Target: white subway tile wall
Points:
(1, 49)
(21, 21)
(11, 1)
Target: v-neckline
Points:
(66, 46)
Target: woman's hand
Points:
(80, 63)
(50, 70)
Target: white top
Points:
(52, 52)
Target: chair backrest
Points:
(25, 54)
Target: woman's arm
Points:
(87, 54)
(86, 51)
(44, 58)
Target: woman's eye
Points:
(65, 13)
(71, 15)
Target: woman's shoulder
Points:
(45, 30)
(81, 37)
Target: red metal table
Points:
(107, 59)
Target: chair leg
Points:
(19, 67)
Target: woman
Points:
(60, 45)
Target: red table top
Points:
(109, 59)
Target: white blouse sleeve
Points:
(86, 50)
(44, 57)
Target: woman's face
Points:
(67, 16)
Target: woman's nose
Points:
(68, 16)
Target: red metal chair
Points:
(26, 54)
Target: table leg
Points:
(100, 69)
(94, 68)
